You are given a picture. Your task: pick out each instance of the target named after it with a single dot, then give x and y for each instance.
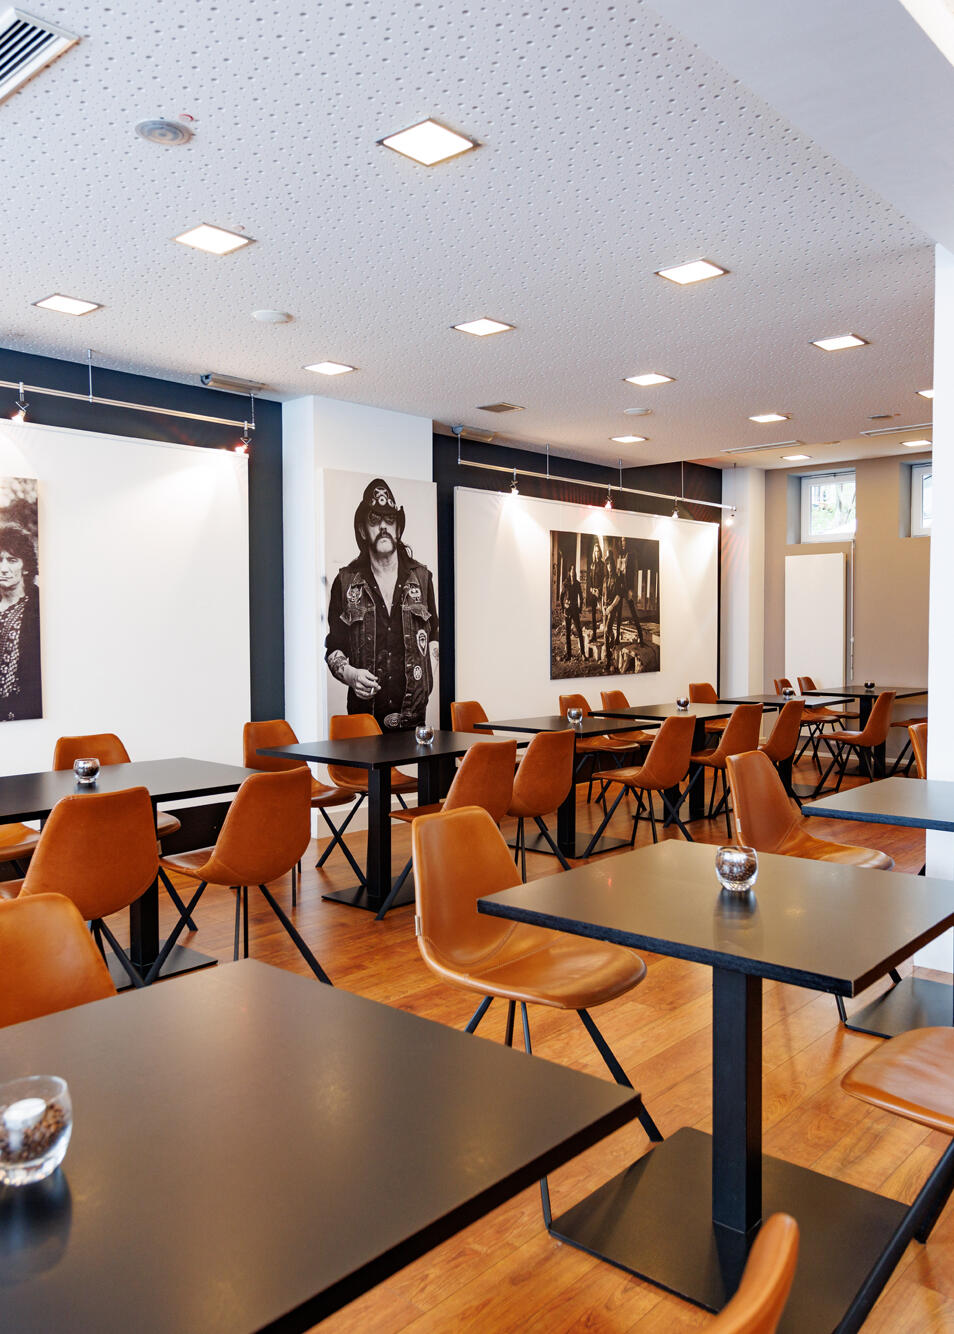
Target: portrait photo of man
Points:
(383, 630)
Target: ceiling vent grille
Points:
(499, 407)
(27, 44)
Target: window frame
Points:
(919, 471)
(806, 482)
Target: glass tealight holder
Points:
(36, 1121)
(869, 685)
(86, 770)
(788, 692)
(574, 716)
(423, 734)
(682, 702)
(737, 868)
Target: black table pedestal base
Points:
(916, 1002)
(654, 1220)
(537, 843)
(181, 960)
(357, 896)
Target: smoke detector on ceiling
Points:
(169, 133)
(272, 316)
(27, 45)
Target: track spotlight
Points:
(20, 411)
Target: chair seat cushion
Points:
(166, 823)
(633, 775)
(911, 1075)
(801, 844)
(17, 841)
(10, 889)
(627, 740)
(187, 863)
(323, 795)
(706, 757)
(400, 782)
(413, 812)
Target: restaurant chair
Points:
(703, 692)
(615, 699)
(485, 779)
(17, 845)
(918, 734)
(741, 734)
(50, 962)
(840, 715)
(874, 733)
(907, 723)
(345, 727)
(543, 781)
(766, 820)
(912, 1076)
(266, 831)
(814, 719)
(783, 742)
(588, 747)
(465, 713)
(759, 1300)
(277, 732)
(98, 849)
(460, 856)
(663, 769)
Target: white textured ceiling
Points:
(611, 147)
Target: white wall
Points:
(143, 595)
(503, 604)
(743, 582)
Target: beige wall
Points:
(891, 578)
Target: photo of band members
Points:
(604, 605)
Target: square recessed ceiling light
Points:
(628, 439)
(772, 417)
(926, 393)
(213, 240)
(840, 341)
(917, 444)
(428, 143)
(694, 272)
(482, 327)
(67, 305)
(330, 368)
(653, 377)
(795, 458)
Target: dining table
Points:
(252, 1150)
(33, 796)
(865, 697)
(378, 754)
(684, 1215)
(915, 803)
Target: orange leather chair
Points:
(783, 742)
(17, 845)
(741, 733)
(918, 735)
(485, 779)
(912, 1076)
(874, 733)
(277, 732)
(49, 960)
(460, 856)
(266, 830)
(814, 719)
(703, 692)
(759, 1301)
(838, 715)
(543, 780)
(98, 849)
(664, 768)
(615, 699)
(466, 712)
(588, 747)
(344, 726)
(906, 723)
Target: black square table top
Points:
(858, 690)
(251, 1150)
(815, 924)
(33, 796)
(660, 712)
(772, 701)
(594, 724)
(378, 752)
(919, 803)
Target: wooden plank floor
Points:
(505, 1273)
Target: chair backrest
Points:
(266, 830)
(918, 734)
(485, 778)
(103, 746)
(781, 683)
(545, 774)
(701, 692)
(342, 727)
(875, 730)
(97, 848)
(49, 960)
(574, 702)
(764, 815)
(784, 736)
(614, 699)
(742, 730)
(760, 1298)
(466, 712)
(459, 856)
(667, 762)
(273, 732)
(806, 683)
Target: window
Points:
(828, 506)
(921, 500)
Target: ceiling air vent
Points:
(499, 407)
(27, 44)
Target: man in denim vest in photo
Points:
(382, 640)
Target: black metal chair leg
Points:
(173, 936)
(842, 1012)
(336, 838)
(508, 1034)
(725, 803)
(245, 919)
(522, 840)
(618, 1073)
(303, 949)
(478, 1014)
(176, 899)
(294, 887)
(544, 1186)
(394, 891)
(553, 847)
(238, 919)
(671, 814)
(588, 850)
(636, 816)
(652, 816)
(131, 972)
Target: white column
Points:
(940, 847)
(743, 582)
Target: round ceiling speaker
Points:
(169, 133)
(272, 316)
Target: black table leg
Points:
(736, 1101)
(378, 869)
(697, 789)
(431, 779)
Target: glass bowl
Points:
(574, 716)
(36, 1122)
(736, 868)
(869, 685)
(423, 734)
(788, 692)
(86, 770)
(682, 702)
